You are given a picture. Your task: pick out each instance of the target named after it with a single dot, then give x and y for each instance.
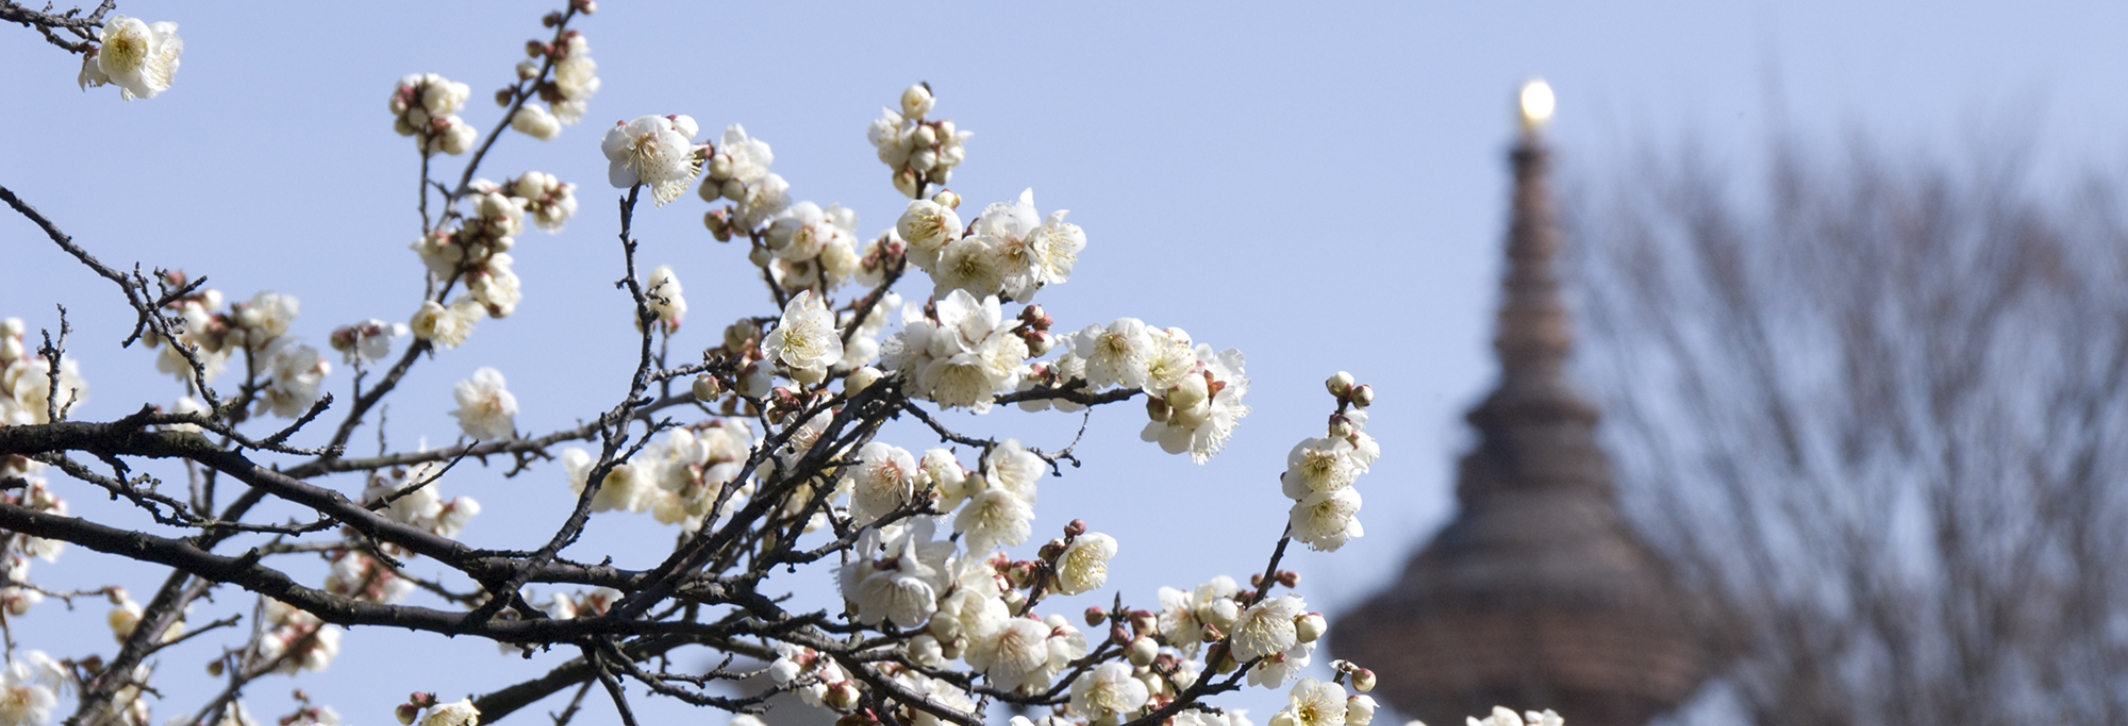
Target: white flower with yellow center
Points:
(1012, 652)
(991, 518)
(967, 264)
(1313, 703)
(1327, 520)
(1319, 465)
(806, 342)
(141, 59)
(1108, 694)
(884, 479)
(1084, 565)
(1267, 627)
(927, 226)
(654, 151)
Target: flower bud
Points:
(706, 388)
(1052, 550)
(859, 380)
(1143, 650)
(1289, 578)
(587, 7)
(926, 136)
(905, 182)
(1156, 409)
(214, 667)
(1283, 718)
(719, 167)
(1363, 395)
(945, 629)
(841, 696)
(718, 222)
(733, 189)
(1015, 601)
(916, 101)
(534, 48)
(1222, 661)
(1363, 680)
(760, 256)
(1309, 627)
(406, 713)
(946, 198)
(1222, 612)
(1340, 427)
(503, 97)
(1095, 616)
(1075, 528)
(552, 19)
(526, 70)
(1117, 634)
(1340, 384)
(1144, 622)
(1359, 711)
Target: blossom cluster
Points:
(290, 375)
(17, 595)
(140, 58)
(677, 479)
(1009, 250)
(425, 106)
(920, 151)
(1320, 471)
(476, 252)
(737, 171)
(568, 93)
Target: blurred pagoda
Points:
(1539, 594)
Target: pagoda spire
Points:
(1539, 594)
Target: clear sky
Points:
(1319, 185)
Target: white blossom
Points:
(1326, 520)
(927, 226)
(1183, 615)
(1319, 465)
(549, 200)
(1115, 355)
(897, 572)
(575, 79)
(994, 517)
(456, 713)
(447, 327)
(654, 151)
(486, 410)
(141, 59)
(1203, 404)
(663, 292)
(295, 377)
(369, 340)
(1012, 653)
(537, 123)
(1313, 703)
(1084, 565)
(884, 478)
(1267, 627)
(805, 342)
(1108, 694)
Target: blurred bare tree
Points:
(1884, 409)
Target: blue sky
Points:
(1321, 186)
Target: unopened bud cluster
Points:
(425, 106)
(920, 151)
